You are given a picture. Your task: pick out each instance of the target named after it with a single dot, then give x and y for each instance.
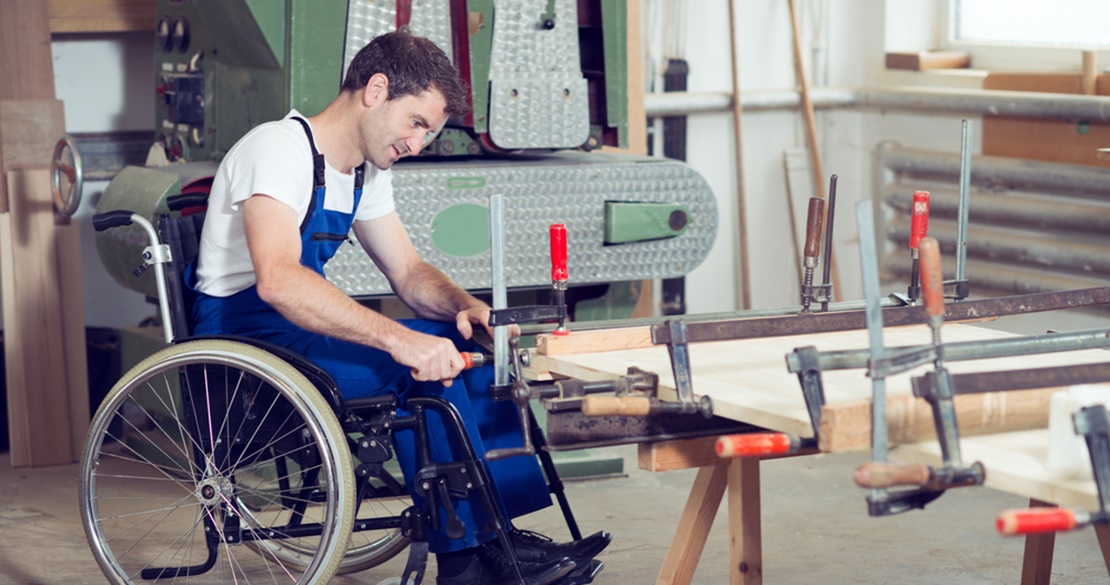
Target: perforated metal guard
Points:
(367, 19)
(538, 97)
(569, 188)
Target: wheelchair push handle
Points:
(111, 219)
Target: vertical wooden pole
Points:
(811, 134)
(744, 289)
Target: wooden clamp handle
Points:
(883, 475)
(616, 406)
(815, 219)
(755, 445)
(1036, 520)
(932, 279)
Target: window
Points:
(1080, 24)
(1028, 35)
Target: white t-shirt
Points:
(273, 159)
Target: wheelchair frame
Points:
(236, 444)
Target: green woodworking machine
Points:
(549, 86)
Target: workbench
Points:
(749, 382)
(1015, 464)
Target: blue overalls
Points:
(364, 371)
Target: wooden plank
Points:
(745, 541)
(102, 16)
(679, 454)
(1036, 566)
(29, 129)
(925, 60)
(1015, 464)
(846, 426)
(748, 380)
(38, 409)
(593, 340)
(68, 240)
(693, 527)
(26, 63)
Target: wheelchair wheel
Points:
(367, 547)
(207, 445)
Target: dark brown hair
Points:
(413, 65)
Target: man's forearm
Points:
(431, 294)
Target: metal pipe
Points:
(1021, 104)
(996, 173)
(1026, 249)
(1009, 209)
(1008, 279)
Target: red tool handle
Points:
(754, 445)
(919, 218)
(1035, 521)
(558, 252)
(932, 280)
(815, 219)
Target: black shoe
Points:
(583, 575)
(530, 546)
(490, 566)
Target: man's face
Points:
(399, 127)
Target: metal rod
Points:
(969, 350)
(500, 295)
(869, 264)
(826, 268)
(927, 99)
(965, 194)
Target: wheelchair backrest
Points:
(180, 230)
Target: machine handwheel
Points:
(207, 444)
(66, 176)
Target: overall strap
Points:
(317, 170)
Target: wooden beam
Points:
(679, 454)
(745, 523)
(594, 340)
(846, 426)
(1036, 566)
(101, 16)
(38, 407)
(693, 527)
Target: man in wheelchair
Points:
(284, 199)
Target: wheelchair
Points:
(222, 459)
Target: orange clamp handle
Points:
(932, 279)
(1036, 520)
(755, 445)
(473, 359)
(558, 233)
(919, 218)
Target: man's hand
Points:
(466, 320)
(431, 358)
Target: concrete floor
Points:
(815, 530)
